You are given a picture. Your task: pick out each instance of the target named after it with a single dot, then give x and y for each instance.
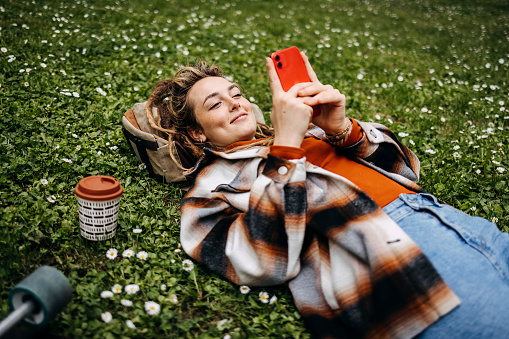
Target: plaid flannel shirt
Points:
(258, 220)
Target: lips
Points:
(238, 116)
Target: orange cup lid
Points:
(98, 188)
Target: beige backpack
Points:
(151, 146)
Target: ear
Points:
(197, 135)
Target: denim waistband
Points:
(406, 203)
(478, 232)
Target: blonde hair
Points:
(176, 115)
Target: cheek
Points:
(211, 124)
(247, 104)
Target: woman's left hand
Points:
(332, 118)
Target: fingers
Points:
(275, 84)
(311, 72)
(300, 89)
(314, 88)
(328, 95)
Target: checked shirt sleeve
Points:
(380, 149)
(245, 219)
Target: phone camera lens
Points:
(277, 58)
(279, 64)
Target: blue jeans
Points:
(471, 255)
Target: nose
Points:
(234, 105)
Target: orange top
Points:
(380, 188)
(99, 188)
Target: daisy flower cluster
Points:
(112, 253)
(129, 294)
(263, 296)
(51, 198)
(151, 308)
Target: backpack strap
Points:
(141, 149)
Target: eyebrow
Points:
(217, 93)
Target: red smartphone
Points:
(291, 69)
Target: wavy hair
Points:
(176, 115)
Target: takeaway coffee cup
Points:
(98, 201)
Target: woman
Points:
(333, 210)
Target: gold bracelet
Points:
(340, 137)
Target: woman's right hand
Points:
(290, 116)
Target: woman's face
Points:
(223, 113)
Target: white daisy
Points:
(102, 92)
(152, 308)
(137, 230)
(163, 287)
(187, 265)
(132, 288)
(273, 299)
(116, 288)
(106, 294)
(142, 255)
(128, 253)
(111, 253)
(130, 324)
(173, 298)
(106, 317)
(126, 303)
(264, 297)
(244, 289)
(44, 181)
(500, 169)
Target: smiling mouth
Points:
(238, 117)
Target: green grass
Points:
(435, 71)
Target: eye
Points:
(239, 95)
(216, 105)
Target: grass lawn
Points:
(434, 71)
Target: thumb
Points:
(275, 84)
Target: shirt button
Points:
(282, 170)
